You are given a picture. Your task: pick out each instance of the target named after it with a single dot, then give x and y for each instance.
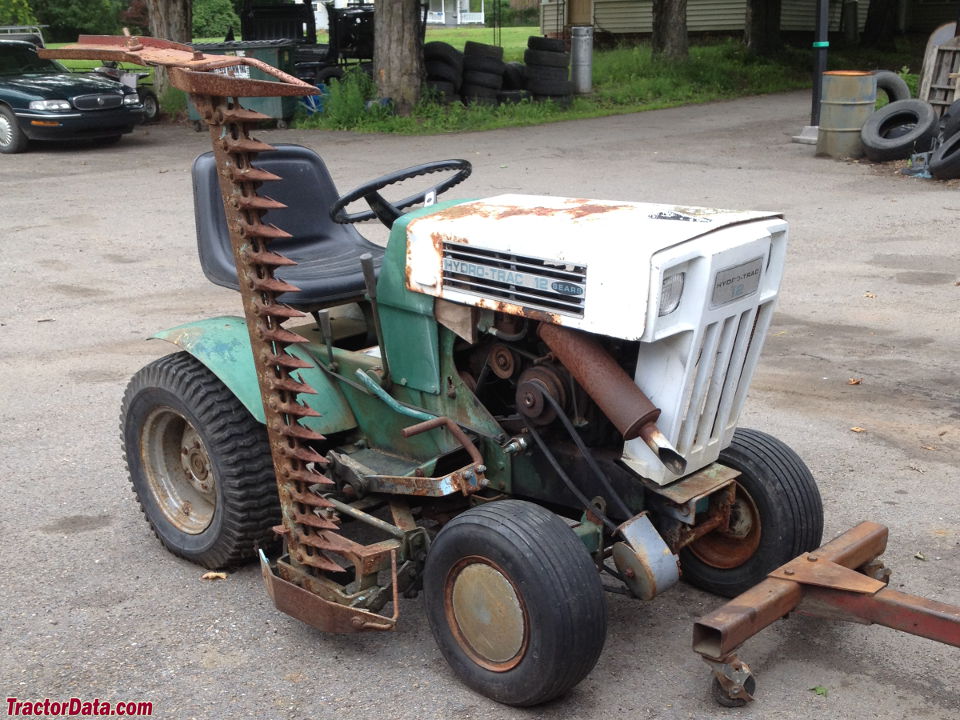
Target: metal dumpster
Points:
(278, 53)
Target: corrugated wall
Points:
(551, 16)
(799, 15)
(634, 16)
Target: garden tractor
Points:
(519, 403)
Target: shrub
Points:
(213, 18)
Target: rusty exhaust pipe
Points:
(624, 404)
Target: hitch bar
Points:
(841, 580)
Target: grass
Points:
(626, 79)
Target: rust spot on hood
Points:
(593, 209)
(507, 308)
(574, 208)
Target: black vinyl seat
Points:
(327, 253)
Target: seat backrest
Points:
(305, 187)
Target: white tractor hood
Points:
(571, 261)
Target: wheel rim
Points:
(150, 107)
(178, 470)
(486, 614)
(732, 546)
(6, 131)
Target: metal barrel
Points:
(581, 58)
(848, 100)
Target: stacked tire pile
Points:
(483, 71)
(547, 70)
(444, 66)
(478, 75)
(907, 126)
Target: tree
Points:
(670, 29)
(170, 20)
(16, 12)
(69, 18)
(213, 18)
(398, 52)
(881, 25)
(762, 27)
(136, 17)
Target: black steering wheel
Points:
(387, 212)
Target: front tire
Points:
(515, 602)
(151, 106)
(199, 463)
(12, 138)
(777, 515)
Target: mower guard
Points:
(842, 580)
(325, 615)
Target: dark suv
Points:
(41, 100)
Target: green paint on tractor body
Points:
(421, 359)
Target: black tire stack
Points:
(514, 83)
(907, 126)
(444, 67)
(548, 70)
(483, 70)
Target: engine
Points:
(676, 299)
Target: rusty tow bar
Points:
(842, 580)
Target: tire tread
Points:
(245, 473)
(547, 543)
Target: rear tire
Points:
(199, 463)
(778, 515)
(515, 602)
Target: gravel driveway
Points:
(98, 252)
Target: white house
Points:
(455, 12)
(439, 12)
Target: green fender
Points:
(223, 346)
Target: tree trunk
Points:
(762, 27)
(170, 20)
(670, 29)
(881, 25)
(398, 52)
